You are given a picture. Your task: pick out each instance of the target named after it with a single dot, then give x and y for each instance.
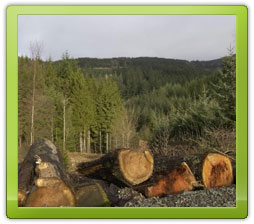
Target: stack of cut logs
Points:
(44, 182)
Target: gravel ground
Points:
(215, 197)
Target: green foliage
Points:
(113, 102)
(194, 114)
(66, 158)
(224, 90)
(108, 106)
(90, 104)
(24, 98)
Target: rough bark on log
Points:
(212, 169)
(233, 162)
(111, 190)
(176, 181)
(122, 166)
(25, 180)
(43, 168)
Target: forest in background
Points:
(97, 105)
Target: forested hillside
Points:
(96, 105)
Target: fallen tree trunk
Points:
(210, 169)
(91, 196)
(173, 182)
(42, 180)
(176, 174)
(123, 166)
(83, 184)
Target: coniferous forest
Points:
(97, 105)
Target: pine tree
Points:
(83, 109)
(108, 107)
(225, 89)
(24, 103)
(35, 50)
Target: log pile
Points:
(178, 174)
(43, 179)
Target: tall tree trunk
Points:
(84, 140)
(127, 140)
(52, 129)
(110, 140)
(94, 147)
(33, 100)
(122, 140)
(106, 142)
(64, 105)
(116, 142)
(88, 142)
(100, 143)
(80, 142)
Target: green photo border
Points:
(241, 209)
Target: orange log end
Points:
(217, 171)
(176, 181)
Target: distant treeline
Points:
(96, 105)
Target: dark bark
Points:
(219, 164)
(111, 190)
(165, 167)
(47, 153)
(111, 169)
(165, 164)
(234, 170)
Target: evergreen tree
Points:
(83, 109)
(24, 102)
(108, 106)
(224, 90)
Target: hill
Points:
(137, 76)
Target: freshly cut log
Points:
(217, 170)
(43, 172)
(176, 181)
(51, 192)
(210, 169)
(128, 166)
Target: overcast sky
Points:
(191, 37)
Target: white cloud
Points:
(188, 37)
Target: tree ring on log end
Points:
(217, 171)
(57, 195)
(136, 166)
